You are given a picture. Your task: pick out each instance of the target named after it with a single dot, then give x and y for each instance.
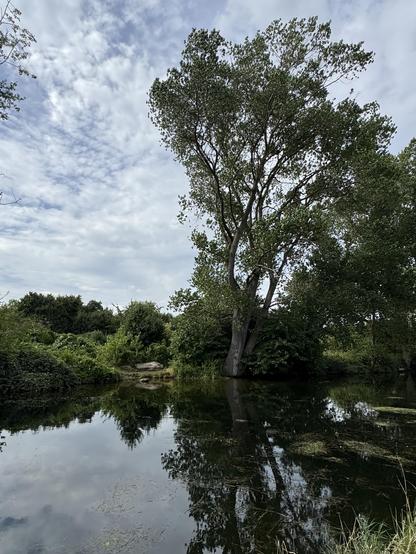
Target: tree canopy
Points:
(267, 150)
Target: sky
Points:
(98, 193)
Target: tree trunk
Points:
(240, 324)
(241, 321)
(258, 326)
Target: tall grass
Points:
(370, 538)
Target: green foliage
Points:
(144, 321)
(122, 349)
(34, 359)
(59, 312)
(207, 371)
(200, 336)
(86, 367)
(67, 314)
(290, 342)
(157, 352)
(361, 275)
(359, 356)
(370, 538)
(31, 369)
(76, 342)
(267, 149)
(16, 328)
(93, 317)
(97, 337)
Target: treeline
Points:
(57, 342)
(68, 314)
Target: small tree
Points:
(144, 320)
(266, 151)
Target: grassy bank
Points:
(368, 537)
(371, 538)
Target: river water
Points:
(224, 466)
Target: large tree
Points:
(266, 150)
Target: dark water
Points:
(230, 466)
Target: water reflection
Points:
(254, 475)
(229, 466)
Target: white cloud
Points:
(99, 193)
(386, 27)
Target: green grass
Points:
(368, 537)
(371, 538)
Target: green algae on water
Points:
(309, 445)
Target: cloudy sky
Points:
(97, 215)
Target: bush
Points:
(97, 337)
(121, 349)
(144, 321)
(206, 371)
(199, 338)
(358, 356)
(88, 369)
(31, 369)
(289, 343)
(81, 343)
(157, 352)
(16, 329)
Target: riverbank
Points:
(132, 375)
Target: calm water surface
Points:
(229, 466)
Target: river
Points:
(223, 466)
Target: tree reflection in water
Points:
(261, 462)
(244, 493)
(135, 412)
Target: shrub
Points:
(31, 369)
(199, 338)
(76, 342)
(289, 342)
(16, 329)
(157, 352)
(88, 369)
(97, 337)
(206, 371)
(359, 355)
(121, 349)
(144, 320)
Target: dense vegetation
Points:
(55, 343)
(349, 302)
